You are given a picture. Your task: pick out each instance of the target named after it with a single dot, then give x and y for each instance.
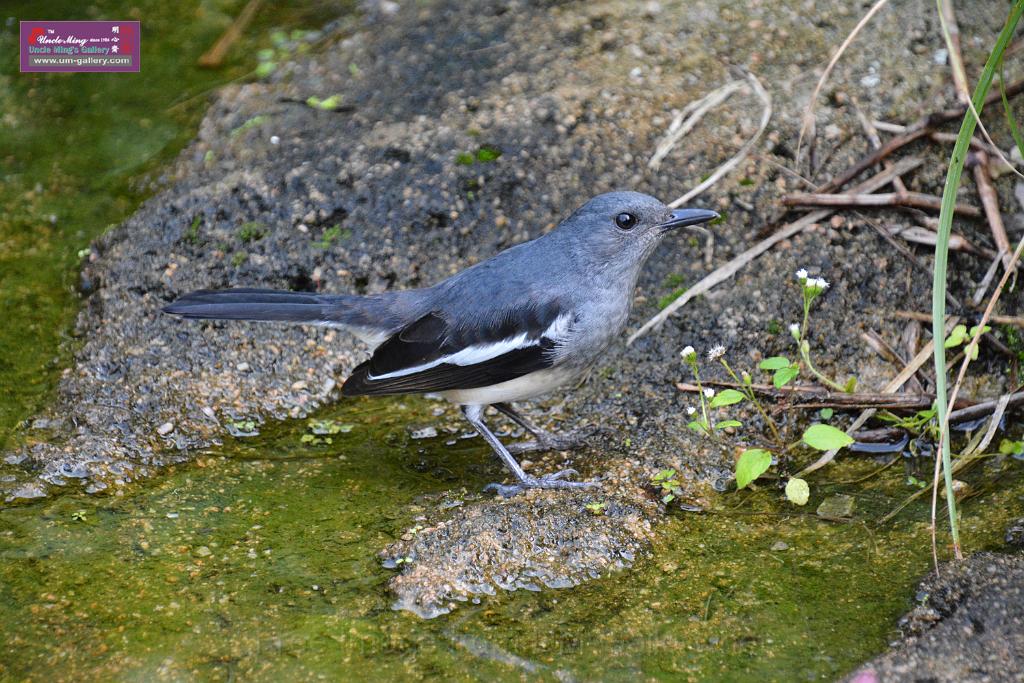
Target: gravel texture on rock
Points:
(391, 190)
(968, 626)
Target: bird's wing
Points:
(435, 353)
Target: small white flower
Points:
(708, 392)
(794, 329)
(274, 140)
(690, 410)
(716, 352)
(687, 353)
(801, 274)
(821, 283)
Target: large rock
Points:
(968, 625)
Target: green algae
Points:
(260, 562)
(79, 151)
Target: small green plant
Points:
(713, 418)
(252, 231)
(484, 154)
(192, 234)
(961, 335)
(668, 484)
(243, 426)
(321, 432)
(79, 515)
(1010, 447)
(284, 48)
(249, 124)
(327, 104)
(332, 234)
(238, 258)
(596, 507)
(923, 421)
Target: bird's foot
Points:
(552, 442)
(548, 481)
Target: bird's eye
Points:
(626, 221)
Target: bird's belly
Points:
(527, 386)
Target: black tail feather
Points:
(258, 304)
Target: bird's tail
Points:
(372, 318)
(261, 304)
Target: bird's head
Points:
(621, 229)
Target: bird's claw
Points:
(548, 481)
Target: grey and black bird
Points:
(529, 320)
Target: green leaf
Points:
(668, 498)
(728, 423)
(784, 376)
(774, 363)
(264, 69)
(851, 384)
(826, 437)
(726, 398)
(956, 337)
(664, 475)
(826, 414)
(1008, 447)
(487, 153)
(698, 426)
(752, 464)
(797, 491)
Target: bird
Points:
(521, 324)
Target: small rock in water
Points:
(165, 429)
(960, 489)
(1015, 533)
(425, 433)
(838, 507)
(780, 545)
(31, 490)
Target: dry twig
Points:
(726, 271)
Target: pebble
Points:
(425, 433)
(299, 386)
(202, 551)
(165, 429)
(838, 507)
(780, 545)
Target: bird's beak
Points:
(682, 218)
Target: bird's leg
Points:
(474, 414)
(543, 440)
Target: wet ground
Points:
(394, 187)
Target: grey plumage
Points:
(526, 321)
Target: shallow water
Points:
(79, 151)
(260, 562)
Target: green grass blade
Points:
(1010, 120)
(956, 167)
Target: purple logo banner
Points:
(104, 46)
